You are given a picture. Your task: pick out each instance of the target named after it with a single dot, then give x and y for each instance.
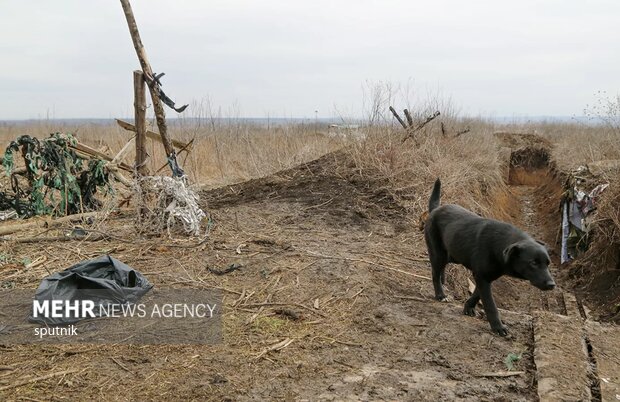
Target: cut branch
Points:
(37, 379)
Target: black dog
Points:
(488, 248)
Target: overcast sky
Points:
(74, 58)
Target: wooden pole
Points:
(395, 113)
(139, 104)
(160, 114)
(409, 118)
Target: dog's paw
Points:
(443, 298)
(501, 330)
(470, 311)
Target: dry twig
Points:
(37, 379)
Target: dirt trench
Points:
(534, 192)
(566, 347)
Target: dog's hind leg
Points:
(470, 304)
(438, 263)
(484, 290)
(438, 257)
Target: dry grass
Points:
(468, 165)
(578, 144)
(222, 154)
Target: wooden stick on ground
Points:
(55, 239)
(501, 374)
(419, 299)
(278, 346)
(37, 379)
(8, 229)
(336, 257)
(284, 304)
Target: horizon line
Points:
(290, 118)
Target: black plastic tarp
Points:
(104, 280)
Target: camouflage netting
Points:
(54, 180)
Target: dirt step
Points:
(605, 351)
(571, 305)
(561, 357)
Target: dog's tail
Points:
(433, 202)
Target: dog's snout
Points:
(549, 285)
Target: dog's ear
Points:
(510, 252)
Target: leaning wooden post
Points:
(395, 113)
(153, 88)
(140, 122)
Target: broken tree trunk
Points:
(140, 120)
(160, 114)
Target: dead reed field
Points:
(469, 164)
(222, 153)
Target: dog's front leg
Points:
(470, 304)
(484, 290)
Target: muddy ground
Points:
(330, 262)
